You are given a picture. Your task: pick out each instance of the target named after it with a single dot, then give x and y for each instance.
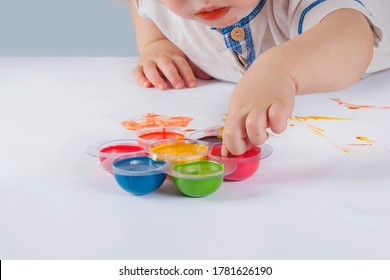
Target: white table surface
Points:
(308, 200)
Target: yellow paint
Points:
(220, 130)
(345, 150)
(317, 130)
(365, 139)
(317, 118)
(180, 152)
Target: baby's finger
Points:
(185, 71)
(168, 68)
(256, 124)
(139, 76)
(153, 75)
(278, 115)
(234, 136)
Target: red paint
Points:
(161, 135)
(244, 165)
(121, 148)
(213, 13)
(114, 150)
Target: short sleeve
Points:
(305, 14)
(142, 6)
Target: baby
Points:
(272, 49)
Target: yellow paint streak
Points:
(317, 118)
(365, 139)
(345, 150)
(317, 130)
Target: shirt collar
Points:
(245, 20)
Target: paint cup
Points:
(139, 175)
(151, 135)
(178, 150)
(242, 166)
(209, 136)
(197, 178)
(107, 151)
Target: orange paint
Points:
(153, 120)
(359, 145)
(355, 106)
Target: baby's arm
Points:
(161, 58)
(331, 56)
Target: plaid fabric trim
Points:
(245, 47)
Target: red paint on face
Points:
(212, 13)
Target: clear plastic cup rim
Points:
(156, 170)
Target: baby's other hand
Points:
(162, 61)
(264, 98)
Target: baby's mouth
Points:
(212, 13)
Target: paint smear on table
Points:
(317, 118)
(365, 139)
(155, 120)
(346, 148)
(355, 106)
(317, 130)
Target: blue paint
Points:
(139, 175)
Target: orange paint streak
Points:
(359, 145)
(152, 120)
(355, 106)
(317, 118)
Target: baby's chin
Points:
(222, 23)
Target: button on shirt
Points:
(238, 37)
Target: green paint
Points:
(198, 178)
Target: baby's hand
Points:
(162, 59)
(263, 98)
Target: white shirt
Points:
(277, 22)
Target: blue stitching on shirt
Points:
(311, 6)
(245, 47)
